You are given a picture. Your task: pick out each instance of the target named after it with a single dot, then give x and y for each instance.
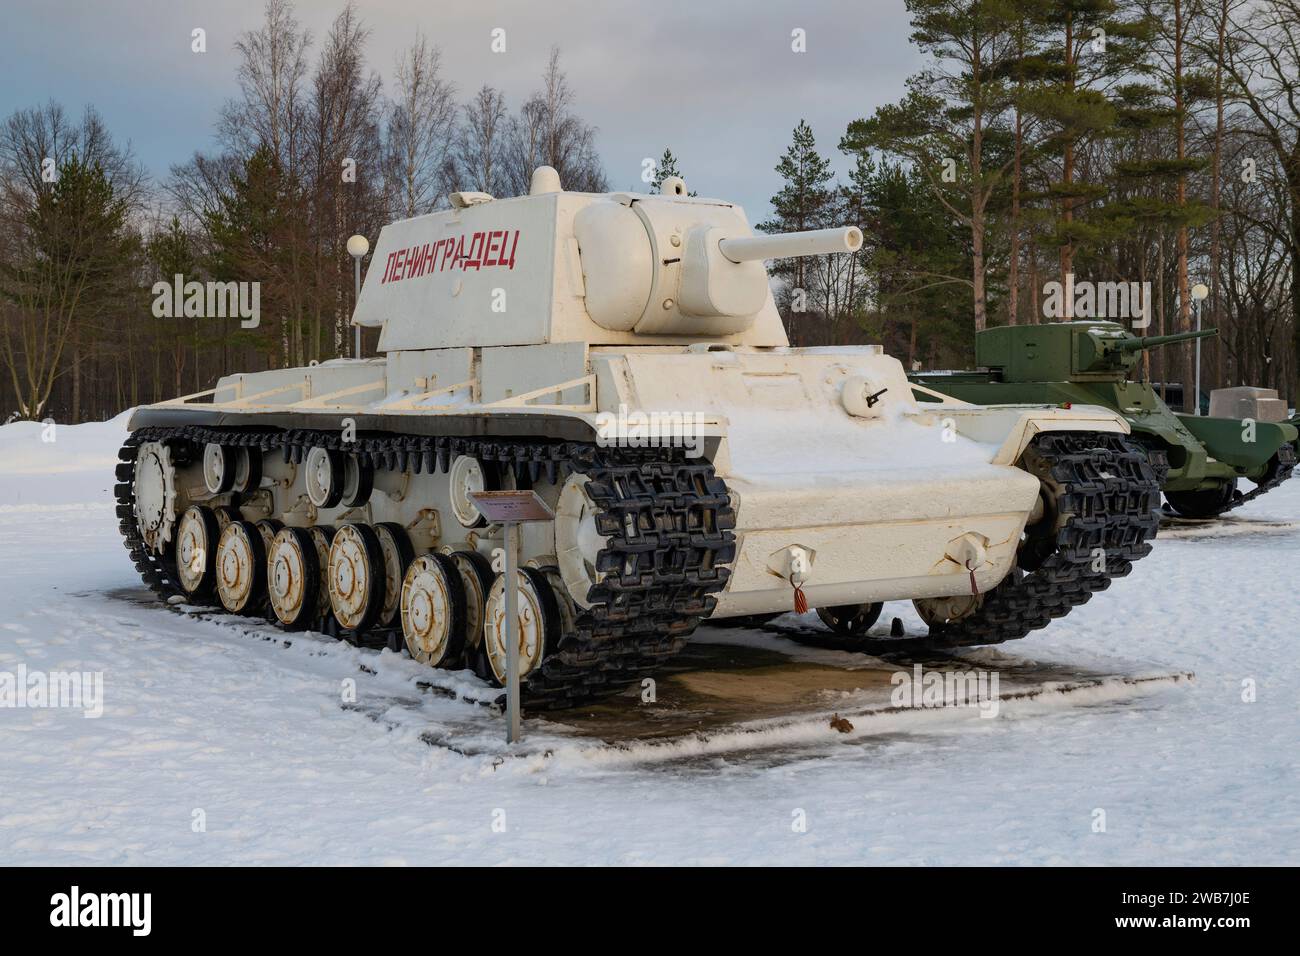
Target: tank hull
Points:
(1202, 453)
(746, 482)
(877, 502)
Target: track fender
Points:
(1010, 428)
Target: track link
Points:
(668, 521)
(1106, 500)
(1281, 467)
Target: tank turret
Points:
(1068, 351)
(555, 266)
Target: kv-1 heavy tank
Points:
(622, 356)
(1197, 458)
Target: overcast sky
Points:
(714, 79)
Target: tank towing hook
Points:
(971, 552)
(794, 564)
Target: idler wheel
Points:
(577, 542)
(241, 568)
(197, 534)
(294, 577)
(433, 610)
(1209, 503)
(154, 490)
(356, 576)
(538, 624)
(398, 553)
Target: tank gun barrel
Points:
(785, 245)
(1153, 341)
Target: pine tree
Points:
(250, 240)
(667, 166)
(1092, 43)
(76, 243)
(803, 201)
(172, 253)
(952, 123)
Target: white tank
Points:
(622, 355)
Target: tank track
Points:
(668, 521)
(1282, 467)
(1108, 498)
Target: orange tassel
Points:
(800, 601)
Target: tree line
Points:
(1133, 141)
(313, 149)
(1137, 141)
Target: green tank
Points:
(1198, 459)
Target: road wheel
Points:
(241, 568)
(197, 534)
(356, 577)
(293, 577)
(850, 620)
(433, 610)
(1209, 503)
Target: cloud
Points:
(716, 81)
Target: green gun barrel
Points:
(1152, 341)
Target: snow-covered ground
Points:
(211, 720)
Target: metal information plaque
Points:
(502, 506)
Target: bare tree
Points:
(273, 71)
(477, 160)
(421, 123)
(548, 133)
(1262, 56)
(345, 182)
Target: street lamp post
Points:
(1199, 292)
(358, 246)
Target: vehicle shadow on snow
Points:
(752, 694)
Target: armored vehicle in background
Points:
(621, 355)
(1198, 459)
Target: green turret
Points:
(1090, 363)
(1068, 351)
